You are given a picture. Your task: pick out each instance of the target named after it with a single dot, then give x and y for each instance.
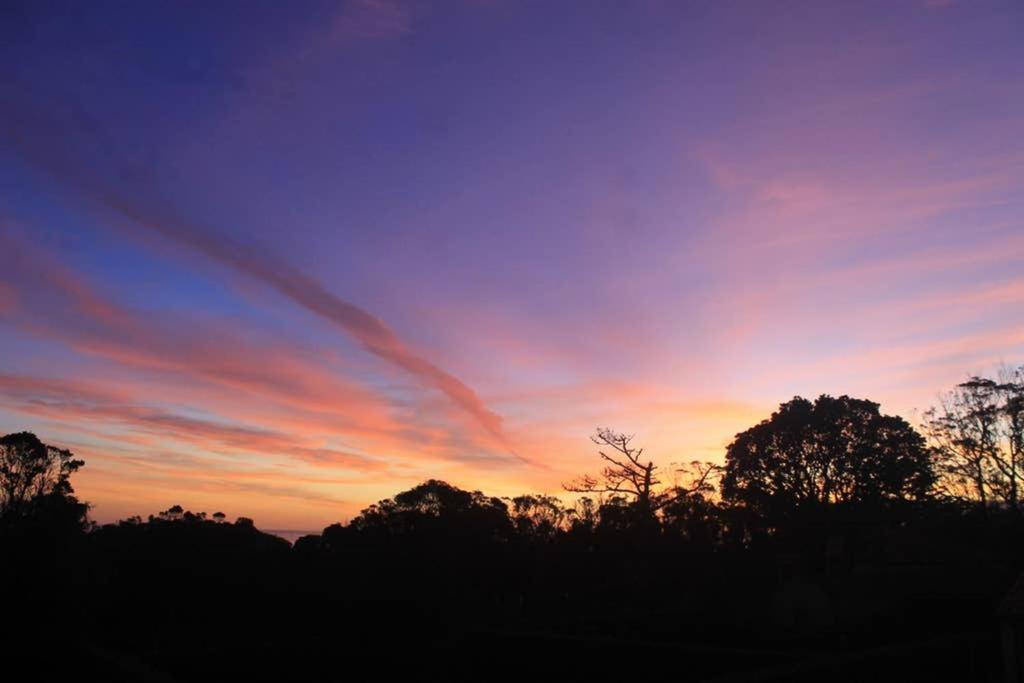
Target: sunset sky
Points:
(285, 259)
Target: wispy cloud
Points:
(51, 301)
(45, 144)
(62, 400)
(230, 371)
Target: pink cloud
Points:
(66, 308)
(230, 372)
(63, 400)
(43, 142)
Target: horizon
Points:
(285, 261)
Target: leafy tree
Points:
(33, 474)
(539, 516)
(977, 432)
(621, 519)
(694, 518)
(834, 450)
(436, 509)
(310, 544)
(171, 514)
(689, 510)
(583, 516)
(696, 478)
(41, 525)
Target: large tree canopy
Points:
(436, 509)
(835, 450)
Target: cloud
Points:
(228, 370)
(54, 302)
(42, 141)
(372, 333)
(63, 400)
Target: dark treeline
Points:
(833, 543)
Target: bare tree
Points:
(625, 474)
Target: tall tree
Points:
(625, 474)
(977, 432)
(32, 471)
(834, 450)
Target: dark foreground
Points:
(193, 600)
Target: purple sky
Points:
(284, 259)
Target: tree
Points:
(172, 514)
(625, 475)
(435, 510)
(583, 516)
(835, 450)
(694, 518)
(689, 510)
(538, 516)
(33, 473)
(977, 433)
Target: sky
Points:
(283, 260)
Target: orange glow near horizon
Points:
(338, 260)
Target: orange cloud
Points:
(64, 400)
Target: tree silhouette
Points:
(437, 566)
(538, 516)
(977, 432)
(32, 472)
(435, 509)
(689, 510)
(172, 514)
(625, 475)
(695, 477)
(835, 450)
(694, 518)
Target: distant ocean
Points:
(290, 535)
